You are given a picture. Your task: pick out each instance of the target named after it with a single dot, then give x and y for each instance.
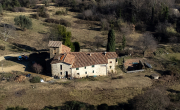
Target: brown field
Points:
(82, 31)
(97, 92)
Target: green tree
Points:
(76, 46)
(123, 42)
(65, 36)
(166, 13)
(1, 9)
(23, 21)
(152, 16)
(16, 3)
(111, 41)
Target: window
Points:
(86, 72)
(116, 60)
(93, 71)
(60, 67)
(110, 67)
(85, 67)
(60, 73)
(78, 74)
(77, 68)
(110, 62)
(92, 65)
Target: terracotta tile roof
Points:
(128, 63)
(57, 59)
(65, 49)
(69, 59)
(81, 59)
(54, 43)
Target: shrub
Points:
(35, 79)
(62, 22)
(42, 11)
(65, 22)
(88, 14)
(16, 108)
(23, 21)
(18, 9)
(2, 47)
(154, 99)
(1, 9)
(104, 24)
(61, 12)
(46, 2)
(36, 16)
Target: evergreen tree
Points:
(23, 21)
(111, 41)
(76, 46)
(166, 13)
(65, 36)
(1, 9)
(123, 42)
(152, 16)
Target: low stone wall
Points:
(135, 71)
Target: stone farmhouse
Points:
(66, 64)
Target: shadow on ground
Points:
(39, 58)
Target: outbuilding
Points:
(154, 76)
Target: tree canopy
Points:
(23, 21)
(111, 41)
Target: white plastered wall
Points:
(99, 70)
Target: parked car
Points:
(19, 58)
(28, 75)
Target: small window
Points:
(60, 73)
(85, 67)
(93, 71)
(86, 72)
(77, 68)
(110, 67)
(92, 65)
(60, 67)
(78, 74)
(116, 60)
(110, 62)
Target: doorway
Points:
(66, 74)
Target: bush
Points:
(1, 9)
(23, 21)
(61, 12)
(65, 23)
(18, 9)
(62, 22)
(35, 79)
(2, 47)
(42, 11)
(36, 16)
(154, 99)
(16, 108)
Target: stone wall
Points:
(111, 66)
(58, 72)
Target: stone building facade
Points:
(66, 64)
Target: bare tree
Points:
(37, 68)
(147, 42)
(98, 41)
(8, 31)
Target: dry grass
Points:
(93, 92)
(82, 31)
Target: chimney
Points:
(58, 58)
(104, 53)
